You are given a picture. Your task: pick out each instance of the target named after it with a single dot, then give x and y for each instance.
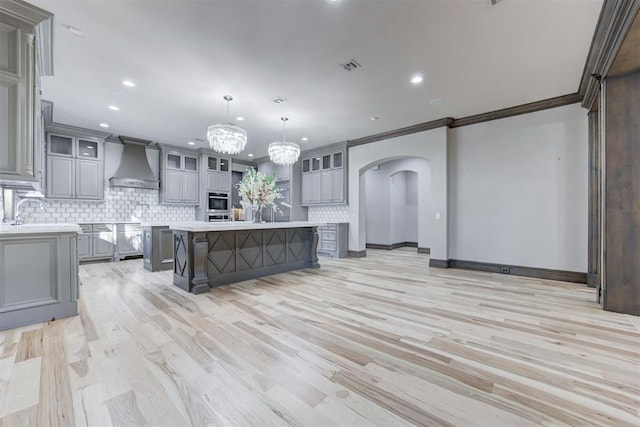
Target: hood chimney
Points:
(134, 170)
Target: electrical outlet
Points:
(504, 270)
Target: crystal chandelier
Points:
(284, 153)
(227, 138)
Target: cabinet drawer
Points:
(328, 246)
(129, 228)
(328, 235)
(86, 228)
(102, 227)
(329, 227)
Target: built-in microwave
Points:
(218, 202)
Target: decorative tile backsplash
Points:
(329, 213)
(120, 205)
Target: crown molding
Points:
(420, 127)
(616, 18)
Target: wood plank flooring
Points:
(381, 340)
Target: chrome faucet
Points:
(18, 220)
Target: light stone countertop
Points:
(196, 226)
(6, 229)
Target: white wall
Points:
(411, 207)
(430, 145)
(392, 197)
(518, 190)
(397, 200)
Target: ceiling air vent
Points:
(351, 64)
(278, 100)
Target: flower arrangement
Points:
(258, 190)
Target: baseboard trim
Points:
(439, 263)
(391, 246)
(357, 254)
(424, 250)
(593, 280)
(518, 270)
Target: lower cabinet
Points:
(128, 239)
(109, 241)
(158, 248)
(333, 240)
(38, 278)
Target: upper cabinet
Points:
(218, 172)
(179, 181)
(25, 55)
(324, 178)
(74, 163)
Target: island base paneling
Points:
(206, 259)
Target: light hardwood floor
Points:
(379, 340)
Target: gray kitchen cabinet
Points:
(60, 177)
(25, 55)
(172, 184)
(218, 181)
(281, 172)
(102, 244)
(324, 180)
(179, 170)
(128, 240)
(38, 277)
(311, 188)
(109, 241)
(190, 188)
(89, 183)
(84, 247)
(75, 166)
(158, 248)
(333, 240)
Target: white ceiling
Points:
(185, 55)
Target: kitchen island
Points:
(38, 273)
(212, 254)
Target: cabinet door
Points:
(173, 186)
(190, 164)
(224, 165)
(306, 188)
(306, 165)
(316, 187)
(8, 129)
(190, 188)
(88, 149)
(60, 177)
(102, 244)
(89, 183)
(224, 181)
(174, 161)
(326, 162)
(61, 145)
(84, 246)
(212, 180)
(282, 172)
(265, 168)
(129, 242)
(337, 192)
(326, 186)
(338, 160)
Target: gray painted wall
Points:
(518, 190)
(392, 193)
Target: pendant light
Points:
(227, 138)
(284, 153)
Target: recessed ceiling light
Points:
(191, 143)
(375, 118)
(240, 119)
(75, 31)
(304, 138)
(114, 108)
(250, 155)
(417, 79)
(128, 83)
(104, 125)
(85, 154)
(436, 101)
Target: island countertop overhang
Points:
(199, 226)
